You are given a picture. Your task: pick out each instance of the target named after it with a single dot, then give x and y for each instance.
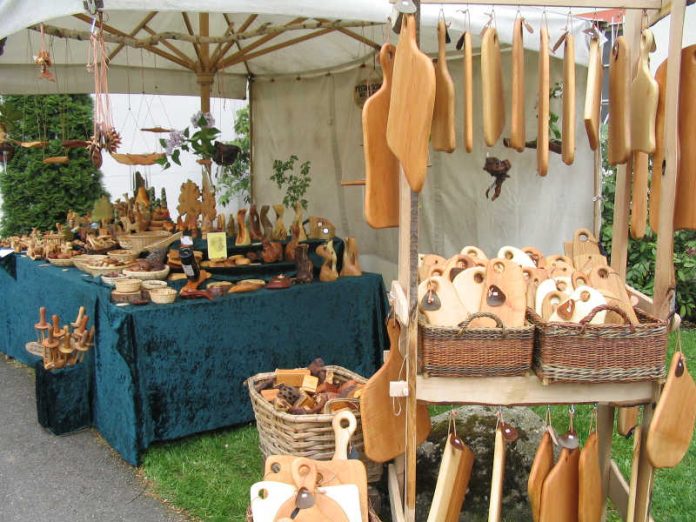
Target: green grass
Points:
(209, 476)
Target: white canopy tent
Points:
(305, 59)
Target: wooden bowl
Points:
(124, 256)
(163, 295)
(128, 285)
(111, 280)
(144, 276)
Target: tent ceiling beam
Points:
(189, 28)
(230, 25)
(134, 32)
(230, 30)
(590, 4)
(360, 38)
(173, 48)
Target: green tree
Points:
(236, 178)
(38, 195)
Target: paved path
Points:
(70, 478)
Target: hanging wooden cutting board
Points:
(644, 96)
(672, 424)
(543, 104)
(568, 131)
(497, 478)
(383, 430)
(590, 482)
(593, 94)
(619, 140)
(475, 252)
(468, 93)
(504, 294)
(659, 154)
(605, 278)
(639, 203)
(456, 459)
(381, 166)
(684, 207)
(541, 466)
(469, 286)
(442, 132)
(460, 485)
(492, 87)
(559, 495)
(517, 128)
(438, 301)
(411, 106)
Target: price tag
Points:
(217, 245)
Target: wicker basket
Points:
(62, 262)
(447, 351)
(148, 276)
(147, 240)
(310, 436)
(583, 352)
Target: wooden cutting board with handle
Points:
(684, 207)
(543, 104)
(504, 295)
(644, 96)
(475, 252)
(442, 133)
(516, 256)
(492, 87)
(541, 466)
(381, 166)
(672, 424)
(384, 432)
(411, 106)
(619, 142)
(659, 154)
(590, 482)
(456, 264)
(605, 278)
(534, 277)
(439, 302)
(495, 508)
(559, 494)
(568, 131)
(461, 485)
(427, 262)
(469, 286)
(593, 94)
(455, 470)
(267, 497)
(517, 123)
(639, 203)
(551, 301)
(584, 242)
(468, 72)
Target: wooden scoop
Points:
(468, 72)
(589, 482)
(452, 481)
(644, 96)
(619, 144)
(672, 425)
(438, 300)
(442, 132)
(559, 494)
(541, 466)
(568, 131)
(543, 104)
(517, 123)
(411, 106)
(492, 87)
(381, 166)
(504, 294)
(593, 94)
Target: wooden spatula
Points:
(559, 494)
(672, 424)
(442, 132)
(644, 96)
(411, 106)
(457, 460)
(381, 166)
(469, 286)
(517, 123)
(590, 482)
(468, 72)
(504, 295)
(593, 94)
(492, 87)
(541, 466)
(438, 300)
(639, 203)
(619, 144)
(543, 104)
(496, 500)
(568, 131)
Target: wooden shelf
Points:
(528, 390)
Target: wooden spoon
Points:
(468, 71)
(492, 87)
(442, 133)
(517, 129)
(543, 103)
(568, 131)
(619, 143)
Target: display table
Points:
(161, 372)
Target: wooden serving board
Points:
(589, 482)
(584, 242)
(543, 104)
(456, 457)
(639, 200)
(497, 478)
(517, 123)
(468, 72)
(442, 133)
(427, 262)
(593, 94)
(509, 279)
(383, 430)
(456, 264)
(619, 142)
(381, 165)
(644, 96)
(492, 87)
(559, 495)
(447, 309)
(475, 252)
(605, 278)
(516, 256)
(659, 154)
(541, 466)
(684, 208)
(411, 106)
(672, 424)
(460, 485)
(568, 131)
(469, 286)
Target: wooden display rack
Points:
(510, 391)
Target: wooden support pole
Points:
(664, 265)
(645, 472)
(205, 77)
(605, 428)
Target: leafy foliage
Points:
(38, 195)
(295, 184)
(201, 141)
(640, 272)
(236, 178)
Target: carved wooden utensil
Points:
(568, 131)
(559, 494)
(593, 94)
(411, 106)
(517, 128)
(543, 104)
(442, 133)
(619, 144)
(541, 466)
(492, 87)
(381, 166)
(468, 72)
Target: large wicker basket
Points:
(310, 436)
(147, 240)
(475, 352)
(583, 352)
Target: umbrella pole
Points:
(205, 76)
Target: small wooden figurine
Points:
(328, 269)
(280, 233)
(254, 225)
(305, 267)
(299, 215)
(351, 264)
(266, 223)
(294, 241)
(242, 238)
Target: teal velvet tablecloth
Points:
(161, 372)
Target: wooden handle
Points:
(344, 424)
(468, 94)
(42, 316)
(609, 308)
(593, 94)
(56, 324)
(543, 101)
(639, 206)
(386, 60)
(568, 135)
(517, 128)
(83, 324)
(441, 42)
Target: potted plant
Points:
(294, 183)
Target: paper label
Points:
(217, 245)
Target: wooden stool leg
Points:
(645, 472)
(605, 429)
